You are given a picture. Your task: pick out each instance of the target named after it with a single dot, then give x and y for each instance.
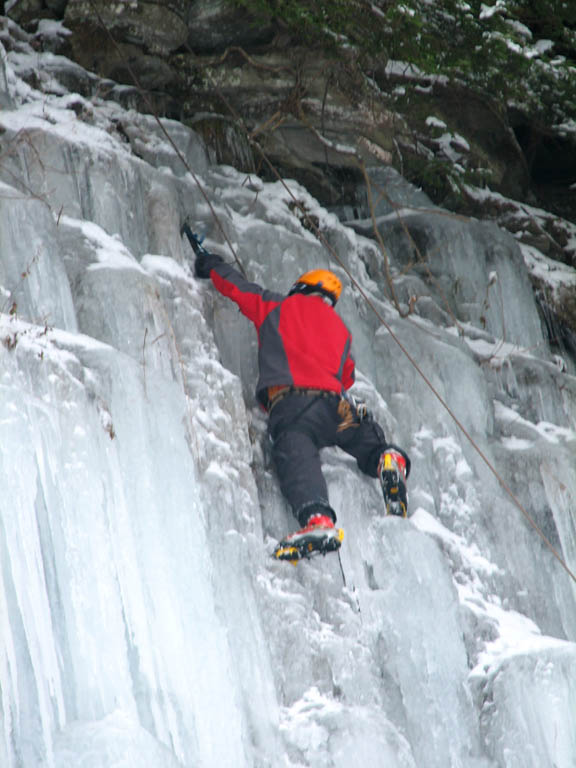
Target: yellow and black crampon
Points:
(304, 545)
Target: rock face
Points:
(318, 112)
(214, 25)
(127, 40)
(466, 125)
(159, 27)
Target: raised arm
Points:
(254, 301)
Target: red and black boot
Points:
(318, 537)
(392, 474)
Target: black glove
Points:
(205, 261)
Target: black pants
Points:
(300, 425)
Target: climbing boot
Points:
(318, 536)
(392, 474)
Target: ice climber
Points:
(305, 370)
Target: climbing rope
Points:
(315, 229)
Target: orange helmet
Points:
(319, 281)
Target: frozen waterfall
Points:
(143, 622)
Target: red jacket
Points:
(302, 342)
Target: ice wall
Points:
(143, 622)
